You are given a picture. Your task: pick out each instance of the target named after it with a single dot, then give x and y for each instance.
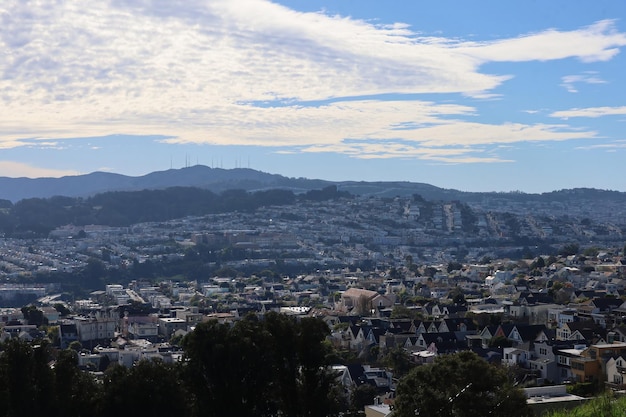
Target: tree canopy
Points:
(462, 384)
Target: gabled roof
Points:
(376, 332)
(359, 292)
(349, 319)
(405, 325)
(529, 332)
(455, 323)
(606, 303)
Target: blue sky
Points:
(477, 96)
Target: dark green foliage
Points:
(260, 368)
(149, 388)
(33, 315)
(399, 361)
(569, 249)
(38, 216)
(77, 392)
(327, 193)
(26, 380)
(274, 366)
(500, 342)
(462, 384)
(361, 396)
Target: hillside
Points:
(218, 180)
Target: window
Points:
(543, 351)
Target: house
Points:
(378, 410)
(586, 330)
(168, 325)
(615, 370)
(591, 365)
(102, 326)
(67, 334)
(50, 314)
(543, 361)
(564, 358)
(364, 374)
(364, 301)
(440, 342)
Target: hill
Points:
(218, 180)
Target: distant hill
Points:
(213, 179)
(218, 180)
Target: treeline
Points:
(257, 367)
(36, 217)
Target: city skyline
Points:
(491, 97)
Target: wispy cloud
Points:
(193, 73)
(610, 147)
(569, 81)
(17, 169)
(590, 112)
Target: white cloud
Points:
(17, 169)
(590, 112)
(597, 42)
(590, 77)
(197, 72)
(610, 147)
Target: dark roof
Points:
(607, 303)
(455, 323)
(529, 332)
(405, 325)
(349, 319)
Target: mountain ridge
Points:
(218, 180)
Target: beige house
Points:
(363, 301)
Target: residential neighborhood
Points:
(401, 283)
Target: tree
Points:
(34, 316)
(77, 391)
(399, 361)
(569, 249)
(277, 366)
(454, 266)
(150, 388)
(26, 380)
(538, 264)
(462, 384)
(500, 342)
(361, 396)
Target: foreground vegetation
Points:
(273, 366)
(277, 366)
(605, 406)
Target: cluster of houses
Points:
(547, 343)
(574, 334)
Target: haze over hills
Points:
(218, 180)
(213, 179)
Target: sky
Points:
(477, 96)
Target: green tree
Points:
(150, 388)
(27, 379)
(462, 384)
(399, 361)
(260, 368)
(34, 316)
(569, 249)
(454, 266)
(361, 396)
(77, 392)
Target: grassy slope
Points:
(599, 407)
